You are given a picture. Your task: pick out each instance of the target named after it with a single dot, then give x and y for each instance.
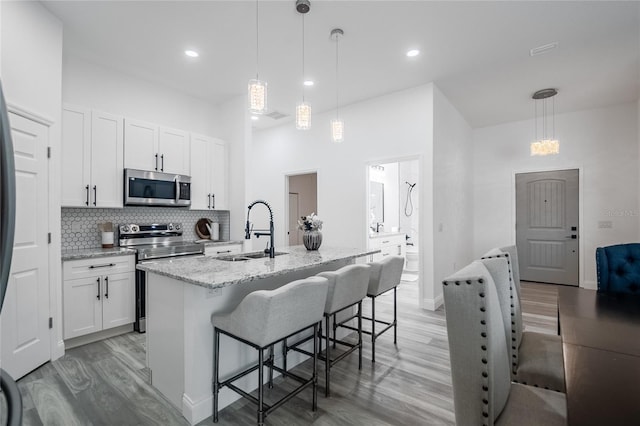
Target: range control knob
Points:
(178, 227)
(125, 228)
(135, 228)
(171, 227)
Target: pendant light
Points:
(303, 109)
(337, 125)
(545, 145)
(257, 88)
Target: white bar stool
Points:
(263, 318)
(385, 275)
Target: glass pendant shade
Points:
(337, 130)
(303, 116)
(257, 96)
(545, 147)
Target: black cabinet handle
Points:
(162, 163)
(209, 203)
(98, 281)
(223, 251)
(87, 202)
(156, 161)
(102, 266)
(213, 198)
(95, 195)
(106, 284)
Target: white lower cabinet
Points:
(101, 298)
(389, 245)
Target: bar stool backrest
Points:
(385, 274)
(271, 315)
(347, 285)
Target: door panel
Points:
(141, 145)
(546, 216)
(118, 302)
(200, 172)
(219, 176)
(81, 307)
(174, 148)
(25, 317)
(76, 155)
(295, 236)
(106, 159)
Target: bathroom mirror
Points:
(376, 203)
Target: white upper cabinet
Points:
(92, 158)
(141, 145)
(175, 151)
(151, 147)
(208, 173)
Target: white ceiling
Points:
(476, 52)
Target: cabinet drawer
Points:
(73, 269)
(217, 250)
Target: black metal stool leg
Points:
(335, 327)
(260, 388)
(314, 406)
(271, 358)
(373, 329)
(395, 317)
(216, 369)
(285, 350)
(360, 335)
(327, 355)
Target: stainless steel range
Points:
(152, 242)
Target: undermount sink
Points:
(246, 256)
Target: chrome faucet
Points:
(247, 229)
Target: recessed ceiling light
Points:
(308, 83)
(254, 117)
(191, 53)
(413, 52)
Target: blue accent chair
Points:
(619, 268)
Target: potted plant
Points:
(311, 225)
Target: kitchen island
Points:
(181, 296)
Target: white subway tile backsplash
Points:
(80, 226)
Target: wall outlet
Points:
(605, 224)
(76, 226)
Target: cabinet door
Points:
(218, 250)
(174, 151)
(76, 156)
(118, 300)
(82, 306)
(106, 159)
(219, 176)
(141, 145)
(200, 172)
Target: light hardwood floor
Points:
(106, 383)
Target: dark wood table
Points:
(601, 344)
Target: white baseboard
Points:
(58, 350)
(432, 304)
(589, 285)
(100, 335)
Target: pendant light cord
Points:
(257, 43)
(337, 108)
(303, 74)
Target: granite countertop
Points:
(213, 273)
(96, 252)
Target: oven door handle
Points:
(177, 190)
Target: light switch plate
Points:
(605, 224)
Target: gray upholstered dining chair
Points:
(263, 318)
(536, 358)
(482, 389)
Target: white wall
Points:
(602, 143)
(378, 130)
(87, 84)
(31, 58)
(452, 193)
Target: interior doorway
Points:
(303, 200)
(547, 228)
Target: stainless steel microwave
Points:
(145, 188)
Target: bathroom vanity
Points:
(182, 294)
(388, 244)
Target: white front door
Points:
(295, 236)
(24, 324)
(547, 226)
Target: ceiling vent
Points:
(276, 115)
(540, 50)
